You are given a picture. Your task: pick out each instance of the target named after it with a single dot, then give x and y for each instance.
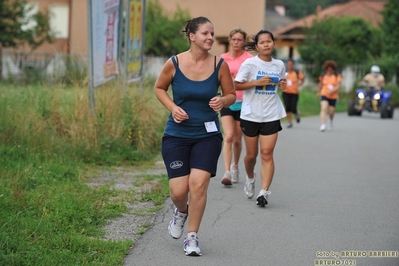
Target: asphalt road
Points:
(334, 193)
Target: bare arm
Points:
(320, 86)
(382, 82)
(337, 84)
(228, 92)
(161, 87)
(246, 85)
(301, 79)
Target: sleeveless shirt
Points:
(193, 97)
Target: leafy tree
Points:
(390, 58)
(390, 27)
(346, 40)
(163, 34)
(15, 19)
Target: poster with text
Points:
(135, 39)
(104, 39)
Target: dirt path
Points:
(131, 184)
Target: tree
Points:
(390, 26)
(346, 40)
(163, 34)
(19, 26)
(15, 20)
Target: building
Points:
(225, 15)
(69, 20)
(291, 34)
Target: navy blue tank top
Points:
(193, 97)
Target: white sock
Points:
(190, 234)
(250, 180)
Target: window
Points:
(59, 20)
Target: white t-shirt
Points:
(261, 103)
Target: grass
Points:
(51, 141)
(309, 103)
(49, 216)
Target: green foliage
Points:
(299, 9)
(387, 63)
(391, 35)
(125, 129)
(390, 27)
(346, 40)
(163, 36)
(14, 17)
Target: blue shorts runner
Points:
(180, 155)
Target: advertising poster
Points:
(135, 39)
(104, 39)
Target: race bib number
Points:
(211, 127)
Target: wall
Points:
(79, 32)
(225, 15)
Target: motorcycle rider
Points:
(374, 80)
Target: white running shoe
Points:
(226, 180)
(176, 225)
(235, 174)
(262, 198)
(249, 187)
(190, 245)
(323, 127)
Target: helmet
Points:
(375, 69)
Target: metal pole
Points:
(90, 56)
(143, 44)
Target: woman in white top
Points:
(259, 77)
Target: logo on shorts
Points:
(176, 164)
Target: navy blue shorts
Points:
(182, 154)
(331, 102)
(227, 111)
(253, 129)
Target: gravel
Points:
(140, 215)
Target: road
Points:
(335, 195)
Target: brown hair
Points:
(238, 30)
(193, 25)
(330, 63)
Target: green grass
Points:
(49, 216)
(49, 141)
(309, 103)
